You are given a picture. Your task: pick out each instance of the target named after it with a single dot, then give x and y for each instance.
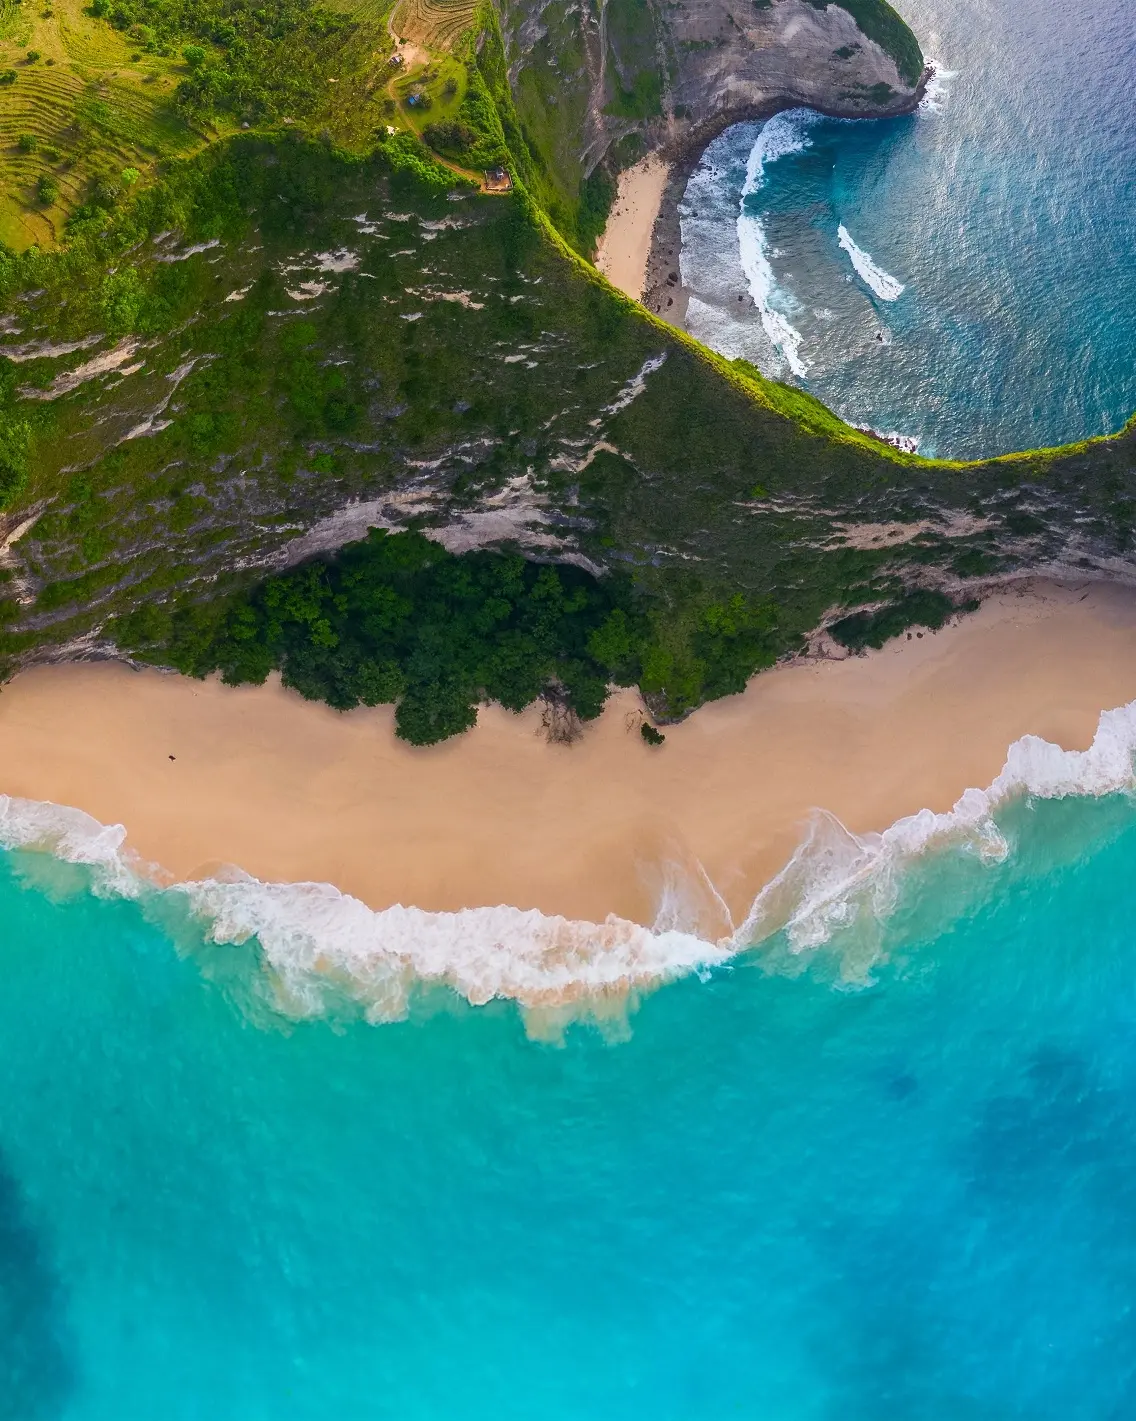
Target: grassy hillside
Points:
(90, 106)
(256, 353)
(329, 327)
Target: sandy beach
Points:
(626, 243)
(204, 775)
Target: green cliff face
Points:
(283, 343)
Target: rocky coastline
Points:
(663, 291)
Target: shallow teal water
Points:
(1004, 211)
(776, 1198)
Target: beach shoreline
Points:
(205, 776)
(662, 291)
(623, 250)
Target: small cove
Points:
(1002, 210)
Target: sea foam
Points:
(784, 134)
(937, 90)
(886, 287)
(319, 944)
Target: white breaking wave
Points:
(905, 443)
(784, 134)
(834, 872)
(319, 944)
(937, 90)
(886, 287)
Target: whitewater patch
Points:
(735, 303)
(836, 875)
(319, 945)
(783, 135)
(886, 287)
(937, 92)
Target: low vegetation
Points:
(312, 326)
(921, 608)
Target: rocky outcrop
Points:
(676, 74)
(731, 63)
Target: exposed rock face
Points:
(732, 63)
(678, 73)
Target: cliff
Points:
(287, 340)
(596, 88)
(331, 344)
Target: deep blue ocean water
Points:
(1005, 211)
(774, 1196)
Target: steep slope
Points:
(334, 343)
(596, 87)
(283, 342)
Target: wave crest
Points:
(836, 875)
(318, 943)
(783, 135)
(886, 287)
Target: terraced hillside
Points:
(89, 107)
(433, 24)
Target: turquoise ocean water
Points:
(878, 1166)
(886, 1169)
(1003, 209)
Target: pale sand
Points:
(623, 249)
(290, 790)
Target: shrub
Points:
(194, 55)
(7, 76)
(105, 194)
(651, 735)
(33, 55)
(15, 444)
(916, 609)
(449, 136)
(47, 189)
(27, 142)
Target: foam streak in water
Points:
(320, 944)
(886, 287)
(835, 872)
(786, 133)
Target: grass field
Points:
(88, 108)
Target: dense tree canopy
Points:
(398, 618)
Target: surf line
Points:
(782, 135)
(886, 287)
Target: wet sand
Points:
(626, 242)
(203, 775)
